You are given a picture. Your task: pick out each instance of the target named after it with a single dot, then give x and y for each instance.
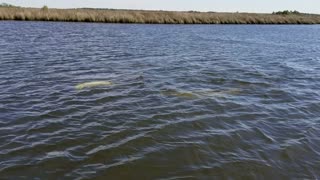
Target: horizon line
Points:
(168, 10)
(143, 9)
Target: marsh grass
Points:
(151, 17)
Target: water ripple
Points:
(185, 101)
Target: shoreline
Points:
(151, 16)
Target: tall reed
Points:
(152, 17)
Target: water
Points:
(186, 102)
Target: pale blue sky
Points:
(309, 6)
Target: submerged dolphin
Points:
(216, 93)
(201, 93)
(182, 94)
(93, 84)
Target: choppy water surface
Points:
(186, 102)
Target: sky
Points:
(262, 6)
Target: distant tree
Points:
(296, 12)
(193, 11)
(286, 12)
(45, 8)
(6, 5)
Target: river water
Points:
(178, 101)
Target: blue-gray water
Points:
(187, 102)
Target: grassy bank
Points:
(152, 17)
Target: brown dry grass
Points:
(151, 17)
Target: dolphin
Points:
(182, 94)
(93, 84)
(201, 93)
(216, 93)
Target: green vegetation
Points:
(286, 12)
(153, 17)
(45, 8)
(6, 5)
